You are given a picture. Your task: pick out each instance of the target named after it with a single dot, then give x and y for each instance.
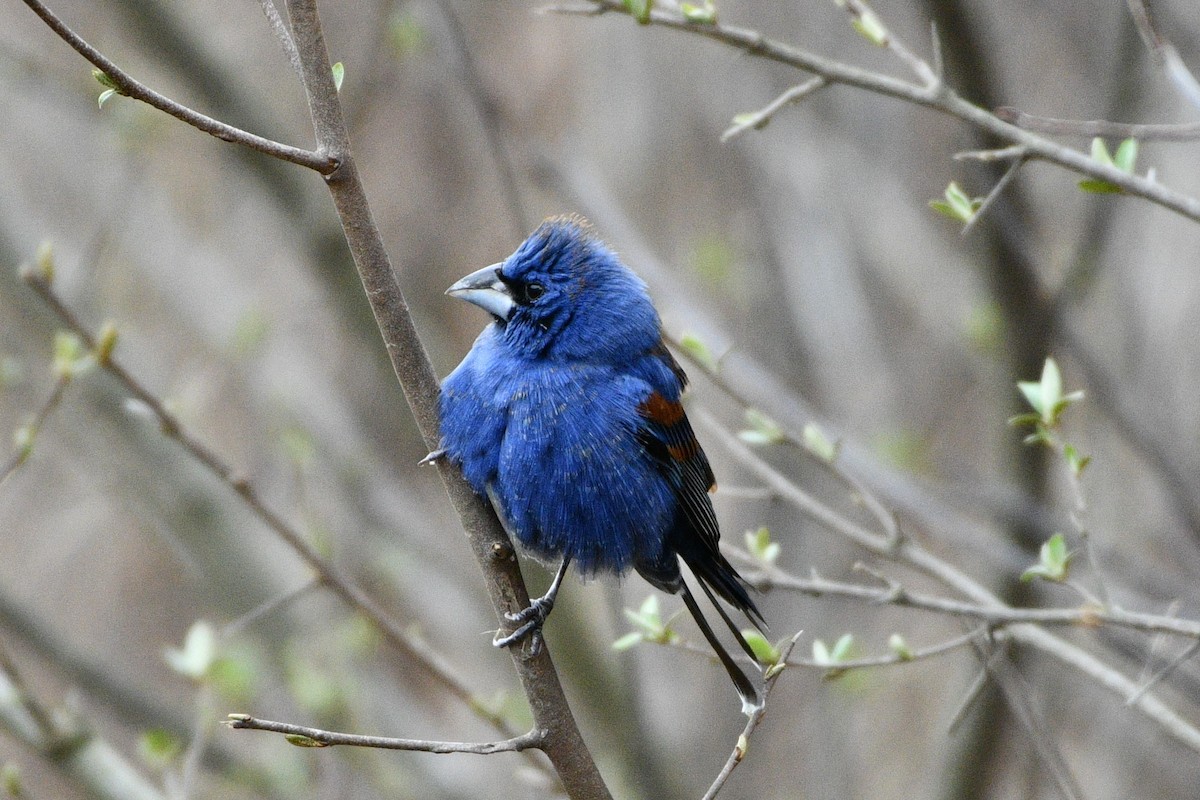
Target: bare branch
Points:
(302, 736)
(1186, 132)
(866, 17)
(759, 119)
(130, 87)
(743, 740)
(29, 431)
(170, 425)
(1013, 168)
(1165, 53)
(937, 97)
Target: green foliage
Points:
(639, 10)
(764, 651)
(1046, 398)
(704, 13)
(10, 780)
(339, 74)
(1124, 159)
(43, 261)
(957, 205)
(841, 652)
(649, 626)
(71, 356)
(158, 748)
(762, 431)
(899, 646)
(871, 27)
(818, 444)
(110, 86)
(698, 350)
(1053, 561)
(761, 547)
(199, 651)
(406, 33)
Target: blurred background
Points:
(805, 254)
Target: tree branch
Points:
(130, 87)
(563, 743)
(936, 96)
(302, 736)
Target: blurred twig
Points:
(315, 737)
(86, 758)
(936, 96)
(128, 86)
(339, 584)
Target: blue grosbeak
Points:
(566, 413)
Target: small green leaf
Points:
(159, 747)
(23, 438)
(1100, 152)
(10, 780)
(1126, 155)
(71, 358)
(1044, 395)
(1077, 462)
(699, 351)
(103, 79)
(841, 650)
(198, 653)
(871, 27)
(699, 13)
(764, 651)
(761, 547)
(106, 342)
(957, 205)
(628, 641)
(339, 72)
(43, 260)
(900, 647)
(639, 10)
(1093, 186)
(649, 623)
(1053, 561)
(300, 740)
(104, 97)
(762, 431)
(820, 445)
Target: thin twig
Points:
(1024, 632)
(1157, 677)
(759, 119)
(282, 34)
(1009, 174)
(1089, 616)
(31, 429)
(348, 592)
(937, 97)
(1165, 53)
(1184, 132)
(316, 737)
(130, 87)
(928, 75)
(743, 740)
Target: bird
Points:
(566, 414)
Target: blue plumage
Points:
(566, 413)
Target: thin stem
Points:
(130, 87)
(937, 97)
(759, 119)
(316, 737)
(31, 429)
(755, 717)
(1184, 132)
(171, 427)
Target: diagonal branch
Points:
(937, 97)
(302, 736)
(130, 87)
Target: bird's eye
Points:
(533, 291)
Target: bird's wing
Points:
(668, 437)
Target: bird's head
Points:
(565, 295)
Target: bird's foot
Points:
(436, 455)
(529, 622)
